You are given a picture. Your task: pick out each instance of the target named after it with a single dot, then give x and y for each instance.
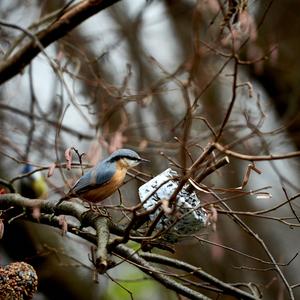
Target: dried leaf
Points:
(60, 55)
(274, 53)
(3, 191)
(1, 229)
(147, 100)
(36, 213)
(213, 6)
(63, 223)
(117, 141)
(165, 207)
(213, 217)
(143, 145)
(51, 169)
(94, 153)
(68, 156)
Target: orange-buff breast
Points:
(102, 192)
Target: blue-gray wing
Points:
(99, 175)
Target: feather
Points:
(99, 175)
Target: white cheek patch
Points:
(131, 163)
(135, 163)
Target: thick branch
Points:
(100, 223)
(227, 288)
(101, 226)
(131, 256)
(68, 21)
(271, 157)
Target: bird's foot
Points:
(102, 211)
(99, 209)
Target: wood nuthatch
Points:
(105, 178)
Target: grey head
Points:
(127, 156)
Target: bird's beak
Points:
(144, 160)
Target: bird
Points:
(33, 186)
(105, 178)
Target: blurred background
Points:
(128, 77)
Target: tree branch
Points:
(131, 256)
(68, 21)
(272, 157)
(140, 259)
(227, 288)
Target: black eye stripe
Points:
(127, 157)
(132, 158)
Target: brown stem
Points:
(68, 21)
